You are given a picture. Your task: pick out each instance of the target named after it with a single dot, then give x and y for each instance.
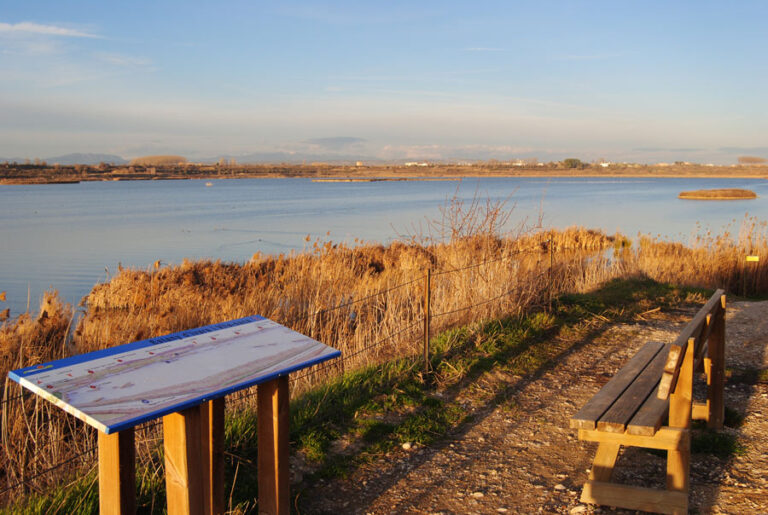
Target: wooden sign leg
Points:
(273, 470)
(212, 429)
(183, 462)
(117, 473)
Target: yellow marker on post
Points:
(753, 258)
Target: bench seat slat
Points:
(616, 418)
(650, 417)
(588, 416)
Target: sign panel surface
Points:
(117, 388)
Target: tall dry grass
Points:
(365, 301)
(709, 260)
(35, 435)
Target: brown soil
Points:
(519, 456)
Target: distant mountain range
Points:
(74, 159)
(251, 158)
(289, 157)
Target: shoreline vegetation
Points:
(387, 179)
(718, 194)
(13, 173)
(367, 301)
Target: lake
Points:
(71, 236)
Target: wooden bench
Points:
(654, 387)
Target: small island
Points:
(718, 194)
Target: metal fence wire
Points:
(88, 455)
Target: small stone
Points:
(560, 487)
(578, 509)
(478, 495)
(407, 446)
(501, 510)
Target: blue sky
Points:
(644, 82)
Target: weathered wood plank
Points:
(649, 417)
(665, 439)
(635, 498)
(117, 473)
(588, 416)
(621, 412)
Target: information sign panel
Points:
(120, 387)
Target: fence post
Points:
(427, 316)
(549, 285)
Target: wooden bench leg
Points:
(273, 470)
(117, 473)
(212, 435)
(605, 459)
(183, 462)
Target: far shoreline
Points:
(11, 174)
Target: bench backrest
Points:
(696, 334)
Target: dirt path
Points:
(519, 456)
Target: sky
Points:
(622, 81)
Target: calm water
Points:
(71, 236)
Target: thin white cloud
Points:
(122, 60)
(26, 28)
(594, 57)
(484, 49)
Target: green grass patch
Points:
(747, 375)
(733, 418)
(81, 495)
(624, 298)
(717, 443)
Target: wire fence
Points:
(315, 375)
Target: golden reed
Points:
(365, 300)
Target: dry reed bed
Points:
(710, 260)
(366, 301)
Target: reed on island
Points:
(718, 194)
